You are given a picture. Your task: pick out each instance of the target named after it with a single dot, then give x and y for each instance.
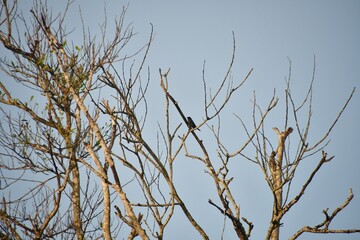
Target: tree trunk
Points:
(276, 171)
(76, 204)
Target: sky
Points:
(268, 34)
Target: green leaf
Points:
(63, 44)
(31, 98)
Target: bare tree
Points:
(78, 143)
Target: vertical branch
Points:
(277, 177)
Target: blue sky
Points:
(267, 34)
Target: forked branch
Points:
(323, 227)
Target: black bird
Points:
(191, 123)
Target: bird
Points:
(191, 123)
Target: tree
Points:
(80, 148)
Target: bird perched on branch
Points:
(191, 123)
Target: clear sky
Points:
(267, 34)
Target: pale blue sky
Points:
(267, 33)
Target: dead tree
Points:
(277, 165)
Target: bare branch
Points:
(323, 228)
